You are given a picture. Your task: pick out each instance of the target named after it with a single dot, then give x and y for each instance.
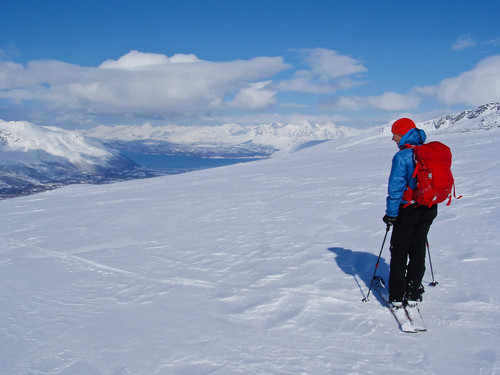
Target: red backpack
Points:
(435, 182)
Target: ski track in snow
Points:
(255, 268)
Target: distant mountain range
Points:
(232, 140)
(37, 158)
(228, 140)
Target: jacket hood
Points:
(413, 137)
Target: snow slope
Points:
(255, 268)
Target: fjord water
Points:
(179, 163)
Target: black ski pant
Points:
(408, 242)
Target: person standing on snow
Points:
(411, 222)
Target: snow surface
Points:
(255, 268)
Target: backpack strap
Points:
(408, 193)
(420, 136)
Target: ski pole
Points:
(376, 265)
(434, 283)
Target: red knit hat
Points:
(402, 126)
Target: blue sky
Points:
(78, 64)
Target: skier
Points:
(411, 222)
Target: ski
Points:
(400, 314)
(416, 318)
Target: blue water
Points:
(179, 163)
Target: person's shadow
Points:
(361, 266)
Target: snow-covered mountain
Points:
(483, 117)
(255, 268)
(35, 158)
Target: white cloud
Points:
(140, 84)
(140, 60)
(345, 103)
(135, 60)
(331, 64)
(465, 41)
(182, 86)
(392, 101)
(493, 42)
(327, 72)
(389, 101)
(474, 87)
(257, 96)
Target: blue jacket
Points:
(402, 170)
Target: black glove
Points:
(389, 220)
